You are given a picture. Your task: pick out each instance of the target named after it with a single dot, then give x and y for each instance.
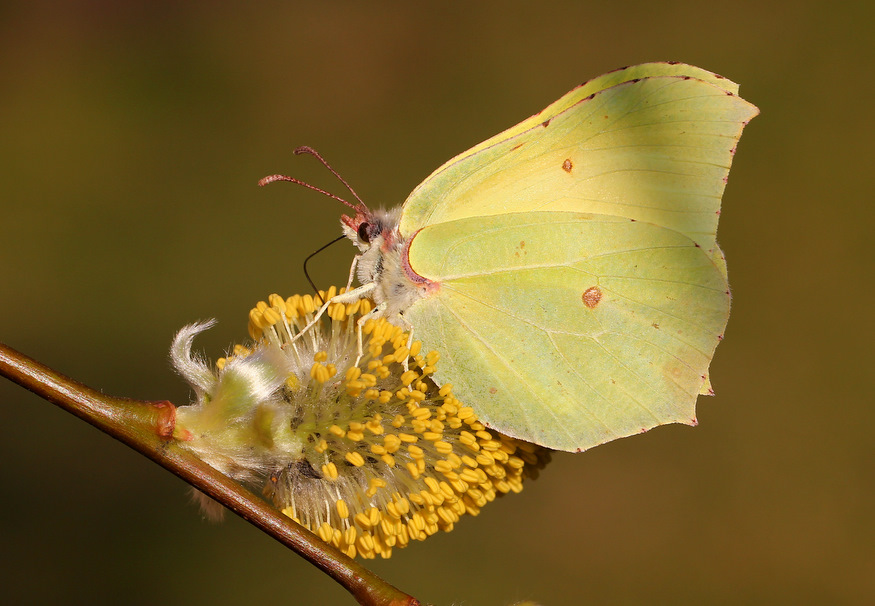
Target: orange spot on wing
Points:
(592, 296)
(567, 165)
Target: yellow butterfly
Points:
(566, 270)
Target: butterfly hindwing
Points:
(569, 329)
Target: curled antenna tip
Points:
(271, 178)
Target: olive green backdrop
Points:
(131, 139)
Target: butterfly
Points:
(566, 270)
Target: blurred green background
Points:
(131, 138)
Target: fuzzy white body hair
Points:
(392, 286)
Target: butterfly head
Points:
(369, 228)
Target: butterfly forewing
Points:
(656, 149)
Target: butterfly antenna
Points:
(307, 273)
(306, 149)
(272, 178)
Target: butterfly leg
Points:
(346, 297)
(312, 323)
(351, 297)
(374, 313)
(409, 328)
(377, 312)
(352, 267)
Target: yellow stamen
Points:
(402, 456)
(329, 470)
(355, 459)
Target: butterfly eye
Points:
(363, 234)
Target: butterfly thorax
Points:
(380, 263)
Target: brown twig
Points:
(147, 428)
